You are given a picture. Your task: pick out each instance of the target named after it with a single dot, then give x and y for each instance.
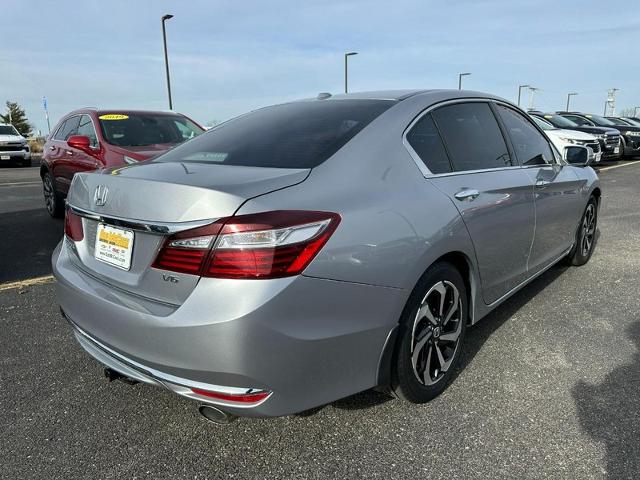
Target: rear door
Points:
(465, 150)
(557, 189)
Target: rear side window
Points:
(70, 127)
(530, 146)
(293, 135)
(426, 142)
(472, 136)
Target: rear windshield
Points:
(293, 135)
(142, 129)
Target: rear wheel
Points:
(52, 199)
(586, 235)
(433, 326)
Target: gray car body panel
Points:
(319, 336)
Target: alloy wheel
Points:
(588, 229)
(436, 332)
(49, 194)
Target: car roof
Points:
(124, 111)
(399, 95)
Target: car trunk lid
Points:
(151, 200)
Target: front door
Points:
(557, 190)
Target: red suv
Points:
(88, 139)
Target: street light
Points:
(346, 69)
(569, 95)
(460, 79)
(166, 57)
(520, 87)
(532, 93)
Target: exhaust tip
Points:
(215, 415)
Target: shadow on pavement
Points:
(28, 240)
(609, 412)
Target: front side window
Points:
(293, 135)
(530, 146)
(85, 128)
(425, 140)
(472, 136)
(69, 128)
(144, 129)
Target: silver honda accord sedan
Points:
(308, 251)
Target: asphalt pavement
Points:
(550, 386)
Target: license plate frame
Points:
(5, 157)
(114, 246)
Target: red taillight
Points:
(237, 398)
(73, 226)
(265, 245)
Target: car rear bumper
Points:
(308, 341)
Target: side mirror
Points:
(80, 142)
(577, 156)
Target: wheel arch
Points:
(461, 262)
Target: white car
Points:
(13, 146)
(562, 139)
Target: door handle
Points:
(69, 152)
(52, 147)
(542, 183)
(468, 194)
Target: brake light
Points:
(73, 226)
(265, 245)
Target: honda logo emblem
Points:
(100, 196)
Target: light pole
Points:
(569, 95)
(346, 70)
(520, 87)
(166, 57)
(532, 93)
(460, 79)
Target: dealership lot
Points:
(550, 386)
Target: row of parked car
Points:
(90, 138)
(608, 138)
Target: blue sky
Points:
(228, 57)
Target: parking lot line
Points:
(26, 283)
(18, 184)
(618, 166)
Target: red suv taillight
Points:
(263, 245)
(73, 226)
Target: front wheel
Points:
(586, 235)
(433, 326)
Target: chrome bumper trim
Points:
(136, 371)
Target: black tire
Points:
(585, 235)
(53, 201)
(421, 336)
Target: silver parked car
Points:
(307, 251)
